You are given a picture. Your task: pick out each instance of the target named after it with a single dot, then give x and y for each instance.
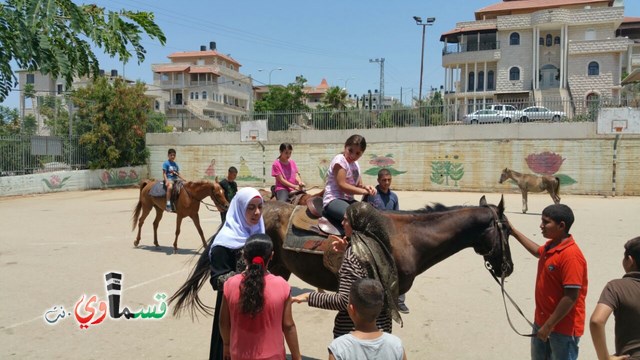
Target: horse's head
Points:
(494, 245)
(217, 195)
(505, 175)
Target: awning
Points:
(203, 70)
(170, 68)
(631, 78)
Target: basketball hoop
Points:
(618, 129)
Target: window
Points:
(59, 89)
(164, 77)
(556, 40)
(514, 74)
(593, 68)
(196, 94)
(156, 105)
(31, 78)
(472, 79)
(514, 39)
(541, 41)
(549, 40)
(490, 80)
(204, 95)
(191, 95)
(480, 81)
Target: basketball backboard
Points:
(253, 131)
(624, 120)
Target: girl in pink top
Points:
(285, 170)
(344, 180)
(255, 316)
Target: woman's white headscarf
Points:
(236, 230)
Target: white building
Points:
(558, 54)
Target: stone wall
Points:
(447, 158)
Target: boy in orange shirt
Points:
(561, 286)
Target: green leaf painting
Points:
(444, 170)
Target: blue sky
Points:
(331, 39)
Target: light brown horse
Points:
(188, 203)
(419, 240)
(297, 197)
(533, 183)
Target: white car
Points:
(540, 113)
(486, 116)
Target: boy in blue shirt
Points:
(170, 173)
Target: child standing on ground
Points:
(285, 170)
(230, 188)
(256, 309)
(622, 298)
(561, 286)
(344, 180)
(170, 174)
(366, 300)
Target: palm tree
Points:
(335, 98)
(30, 93)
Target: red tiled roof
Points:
(170, 68)
(206, 53)
(320, 89)
(323, 84)
(533, 5)
(203, 70)
(469, 29)
(629, 19)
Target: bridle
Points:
(502, 228)
(215, 204)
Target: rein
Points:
(215, 208)
(505, 295)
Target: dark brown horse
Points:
(533, 183)
(419, 240)
(188, 203)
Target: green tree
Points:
(55, 114)
(157, 123)
(112, 120)
(282, 99)
(9, 121)
(335, 99)
(56, 38)
(30, 93)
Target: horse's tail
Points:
(187, 294)
(138, 208)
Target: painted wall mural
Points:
(119, 177)
(210, 172)
(244, 173)
(382, 162)
(448, 168)
(548, 163)
(323, 169)
(54, 182)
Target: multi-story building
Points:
(205, 85)
(560, 54)
(46, 85)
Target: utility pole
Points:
(381, 90)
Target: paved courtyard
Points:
(58, 247)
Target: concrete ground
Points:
(57, 248)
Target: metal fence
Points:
(20, 154)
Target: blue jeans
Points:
(557, 347)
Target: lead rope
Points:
(201, 201)
(506, 295)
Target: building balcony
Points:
(598, 46)
(464, 54)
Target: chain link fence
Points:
(21, 154)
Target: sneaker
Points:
(169, 208)
(403, 308)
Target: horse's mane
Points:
(437, 207)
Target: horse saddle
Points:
(294, 196)
(306, 234)
(159, 190)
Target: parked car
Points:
(533, 113)
(486, 116)
(508, 111)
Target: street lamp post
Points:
(270, 72)
(346, 81)
(419, 22)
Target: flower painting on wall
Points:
(450, 168)
(548, 163)
(382, 162)
(119, 177)
(54, 182)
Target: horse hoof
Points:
(136, 243)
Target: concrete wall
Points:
(71, 180)
(447, 158)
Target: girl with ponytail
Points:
(255, 316)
